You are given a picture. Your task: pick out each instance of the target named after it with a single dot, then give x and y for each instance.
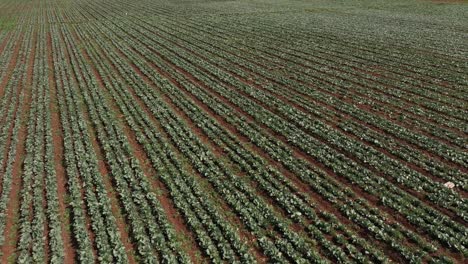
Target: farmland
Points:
(250, 131)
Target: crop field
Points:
(249, 131)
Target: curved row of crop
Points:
(251, 64)
(160, 163)
(380, 162)
(440, 169)
(126, 171)
(299, 73)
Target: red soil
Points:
(348, 134)
(11, 65)
(57, 137)
(5, 41)
(243, 233)
(171, 212)
(277, 57)
(299, 153)
(193, 79)
(157, 186)
(74, 80)
(11, 231)
(251, 83)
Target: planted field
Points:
(259, 131)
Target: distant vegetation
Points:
(6, 24)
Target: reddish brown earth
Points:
(387, 105)
(138, 153)
(309, 58)
(69, 254)
(5, 41)
(8, 248)
(16, 113)
(250, 83)
(350, 135)
(12, 64)
(173, 216)
(157, 186)
(320, 202)
(244, 234)
(299, 153)
(193, 79)
(91, 235)
(364, 80)
(11, 231)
